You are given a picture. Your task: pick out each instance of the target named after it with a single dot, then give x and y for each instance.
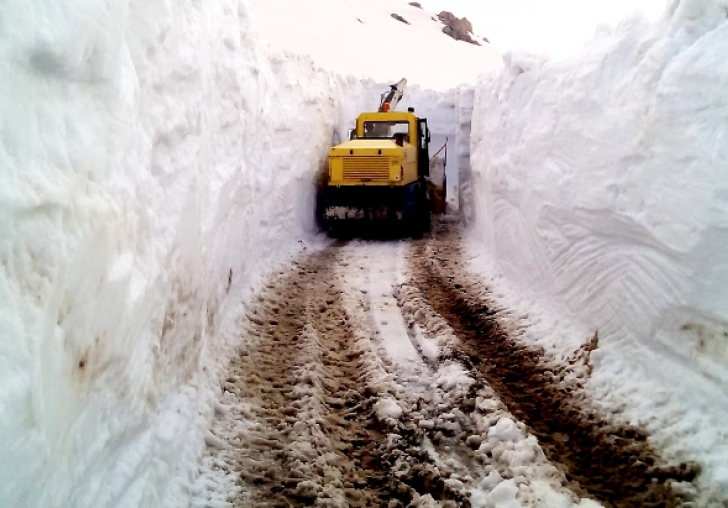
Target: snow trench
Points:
(158, 158)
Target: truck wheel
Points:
(426, 223)
(421, 221)
(333, 230)
(425, 209)
(416, 230)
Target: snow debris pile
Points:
(157, 160)
(600, 188)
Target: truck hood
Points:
(367, 147)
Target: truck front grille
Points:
(366, 168)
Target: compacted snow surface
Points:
(346, 381)
(159, 158)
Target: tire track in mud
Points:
(306, 382)
(474, 427)
(423, 457)
(302, 376)
(607, 461)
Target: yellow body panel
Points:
(375, 161)
(372, 162)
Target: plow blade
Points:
(349, 210)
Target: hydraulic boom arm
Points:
(391, 99)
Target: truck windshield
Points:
(385, 129)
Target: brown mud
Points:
(609, 461)
(317, 439)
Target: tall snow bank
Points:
(601, 185)
(156, 159)
(604, 180)
(154, 162)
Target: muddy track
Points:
(304, 382)
(302, 376)
(610, 462)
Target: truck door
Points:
(423, 147)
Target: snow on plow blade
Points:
(348, 209)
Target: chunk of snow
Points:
(493, 492)
(489, 482)
(506, 430)
(504, 495)
(387, 407)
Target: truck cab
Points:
(380, 174)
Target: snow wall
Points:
(603, 180)
(156, 160)
(600, 186)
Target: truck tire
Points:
(421, 222)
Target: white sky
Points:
(557, 27)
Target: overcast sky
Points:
(557, 27)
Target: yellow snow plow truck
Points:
(379, 177)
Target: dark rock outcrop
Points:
(400, 18)
(416, 4)
(459, 29)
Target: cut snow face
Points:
(600, 189)
(367, 39)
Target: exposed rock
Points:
(459, 29)
(416, 4)
(400, 18)
(467, 25)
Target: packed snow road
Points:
(379, 374)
